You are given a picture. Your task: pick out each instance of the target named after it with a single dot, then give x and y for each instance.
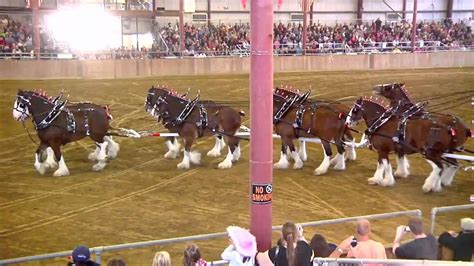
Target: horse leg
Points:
(236, 153)
(221, 142)
(302, 151)
(216, 150)
(173, 148)
(189, 156)
(283, 162)
(93, 155)
(378, 175)
(62, 168)
(227, 163)
(402, 166)
(295, 155)
(101, 157)
(39, 164)
(339, 159)
(112, 147)
(433, 181)
(323, 167)
(50, 161)
(449, 170)
(350, 154)
(388, 179)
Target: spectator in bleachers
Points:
(361, 246)
(320, 247)
(116, 262)
(423, 247)
(461, 244)
(162, 258)
(292, 249)
(81, 257)
(242, 247)
(192, 256)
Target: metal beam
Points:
(413, 32)
(208, 13)
(181, 27)
(449, 9)
(311, 13)
(35, 5)
(404, 11)
(261, 110)
(360, 9)
(305, 25)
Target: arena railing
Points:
(101, 249)
(437, 210)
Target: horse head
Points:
(355, 114)
(154, 99)
(394, 92)
(27, 102)
(366, 108)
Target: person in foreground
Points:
(422, 247)
(361, 246)
(81, 257)
(162, 258)
(242, 247)
(461, 244)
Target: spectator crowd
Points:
(234, 39)
(292, 249)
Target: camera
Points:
(354, 242)
(407, 229)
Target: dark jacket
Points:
(462, 245)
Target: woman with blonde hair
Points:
(162, 258)
(292, 249)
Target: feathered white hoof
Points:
(93, 156)
(226, 164)
(40, 167)
(333, 161)
(214, 153)
(195, 157)
(298, 165)
(61, 172)
(171, 155)
(387, 183)
(112, 150)
(401, 174)
(50, 163)
(99, 166)
(303, 156)
(281, 165)
(374, 181)
(319, 171)
(350, 154)
(340, 167)
(183, 165)
(236, 154)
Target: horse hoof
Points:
(40, 168)
(225, 165)
(214, 153)
(61, 172)
(171, 155)
(183, 166)
(98, 166)
(280, 166)
(195, 157)
(51, 164)
(298, 165)
(319, 172)
(386, 183)
(339, 167)
(92, 156)
(373, 181)
(426, 189)
(400, 174)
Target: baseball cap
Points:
(81, 254)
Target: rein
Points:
(27, 131)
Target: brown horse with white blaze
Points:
(423, 136)
(57, 124)
(400, 98)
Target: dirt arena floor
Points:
(142, 196)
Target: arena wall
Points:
(108, 69)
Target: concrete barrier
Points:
(107, 69)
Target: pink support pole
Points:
(181, 27)
(413, 33)
(261, 109)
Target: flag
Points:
(244, 3)
(279, 3)
(28, 3)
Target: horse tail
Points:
(242, 113)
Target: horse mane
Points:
(172, 92)
(376, 100)
(41, 94)
(405, 91)
(289, 90)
